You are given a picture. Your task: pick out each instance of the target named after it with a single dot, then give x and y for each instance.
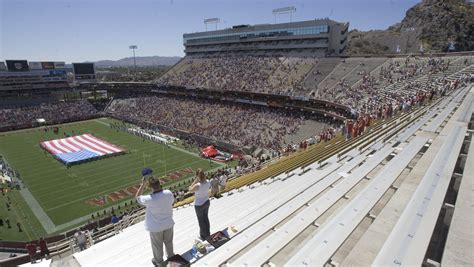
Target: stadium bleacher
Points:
(459, 239)
(351, 187)
(18, 117)
(372, 241)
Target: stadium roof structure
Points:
(381, 202)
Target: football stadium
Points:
(272, 144)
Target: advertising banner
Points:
(17, 65)
(35, 65)
(60, 65)
(47, 65)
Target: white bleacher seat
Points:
(322, 246)
(438, 120)
(458, 250)
(408, 241)
(42, 263)
(132, 246)
(416, 126)
(306, 216)
(467, 109)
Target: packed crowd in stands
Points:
(233, 123)
(394, 86)
(354, 128)
(27, 116)
(276, 75)
(285, 75)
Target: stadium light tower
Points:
(284, 10)
(212, 21)
(133, 47)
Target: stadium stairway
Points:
(375, 72)
(295, 207)
(325, 67)
(339, 72)
(369, 65)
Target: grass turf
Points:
(62, 192)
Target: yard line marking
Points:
(105, 191)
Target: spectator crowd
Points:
(275, 75)
(394, 85)
(394, 81)
(54, 112)
(237, 124)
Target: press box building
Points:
(321, 37)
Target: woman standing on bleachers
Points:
(200, 187)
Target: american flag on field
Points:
(79, 148)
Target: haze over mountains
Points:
(141, 61)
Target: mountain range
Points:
(141, 61)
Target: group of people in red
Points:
(327, 135)
(32, 248)
(354, 128)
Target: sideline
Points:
(37, 210)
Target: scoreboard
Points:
(84, 71)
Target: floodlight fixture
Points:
(284, 10)
(211, 21)
(133, 47)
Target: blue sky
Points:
(89, 30)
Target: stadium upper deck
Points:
(363, 84)
(19, 75)
(313, 37)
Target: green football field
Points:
(57, 198)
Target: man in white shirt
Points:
(158, 215)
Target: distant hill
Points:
(141, 61)
(438, 21)
(430, 23)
